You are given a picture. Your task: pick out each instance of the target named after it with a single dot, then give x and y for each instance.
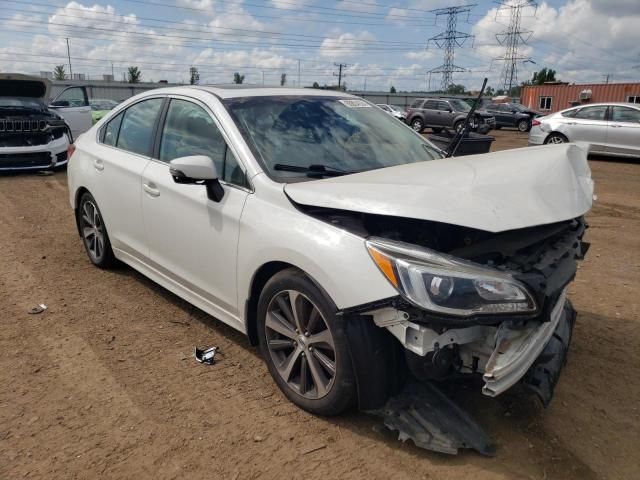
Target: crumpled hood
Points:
(18, 85)
(494, 192)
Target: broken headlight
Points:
(445, 284)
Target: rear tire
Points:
(304, 344)
(458, 125)
(555, 138)
(94, 232)
(524, 126)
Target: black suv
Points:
(439, 113)
(511, 115)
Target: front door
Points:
(623, 133)
(193, 240)
(73, 105)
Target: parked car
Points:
(438, 113)
(99, 107)
(393, 110)
(511, 115)
(33, 136)
(608, 128)
(338, 240)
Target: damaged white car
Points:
(34, 135)
(343, 243)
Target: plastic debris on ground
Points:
(206, 356)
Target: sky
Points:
(382, 43)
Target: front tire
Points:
(94, 232)
(417, 125)
(304, 344)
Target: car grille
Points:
(25, 160)
(20, 125)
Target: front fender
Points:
(272, 229)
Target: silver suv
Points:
(439, 113)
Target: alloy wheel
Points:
(417, 125)
(556, 139)
(93, 230)
(523, 125)
(300, 344)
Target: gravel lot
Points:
(103, 383)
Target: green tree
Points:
(194, 76)
(237, 78)
(392, 89)
(316, 85)
(283, 79)
(489, 91)
(59, 73)
(544, 75)
(133, 75)
(455, 89)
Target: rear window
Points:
(138, 125)
(416, 103)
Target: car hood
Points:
(494, 192)
(18, 85)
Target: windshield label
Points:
(354, 103)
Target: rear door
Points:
(118, 160)
(446, 113)
(589, 125)
(193, 240)
(430, 112)
(623, 132)
(73, 105)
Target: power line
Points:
(512, 37)
(447, 41)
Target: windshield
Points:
(517, 106)
(20, 102)
(460, 105)
(343, 134)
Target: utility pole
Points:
(69, 58)
(112, 71)
(511, 38)
(299, 84)
(606, 79)
(263, 78)
(340, 67)
(448, 41)
(365, 83)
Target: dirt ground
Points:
(103, 383)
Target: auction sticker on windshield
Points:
(355, 103)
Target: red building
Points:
(552, 97)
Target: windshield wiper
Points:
(312, 170)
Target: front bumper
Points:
(39, 157)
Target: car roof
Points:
(605, 104)
(237, 91)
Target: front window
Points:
(545, 103)
(460, 105)
(625, 114)
(342, 134)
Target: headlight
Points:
(445, 284)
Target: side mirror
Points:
(450, 110)
(59, 103)
(197, 169)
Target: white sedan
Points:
(607, 128)
(338, 239)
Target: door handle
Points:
(98, 164)
(616, 126)
(151, 189)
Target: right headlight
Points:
(445, 284)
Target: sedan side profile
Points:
(608, 128)
(338, 240)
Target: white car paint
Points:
(545, 185)
(210, 252)
(78, 117)
(606, 136)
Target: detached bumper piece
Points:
(422, 413)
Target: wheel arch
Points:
(556, 132)
(260, 278)
(76, 203)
